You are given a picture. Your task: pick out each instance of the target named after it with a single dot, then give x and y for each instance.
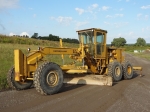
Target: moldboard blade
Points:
(88, 79)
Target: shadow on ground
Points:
(137, 74)
(69, 87)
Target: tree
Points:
(118, 42)
(140, 42)
(69, 40)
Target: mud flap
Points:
(88, 79)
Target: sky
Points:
(129, 19)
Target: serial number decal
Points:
(59, 51)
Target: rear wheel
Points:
(115, 70)
(15, 84)
(48, 78)
(127, 70)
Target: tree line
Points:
(119, 42)
(54, 38)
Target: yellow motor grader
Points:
(100, 65)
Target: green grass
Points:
(9, 44)
(145, 55)
(31, 41)
(132, 48)
(7, 59)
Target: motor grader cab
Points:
(100, 65)
(94, 40)
(97, 56)
(94, 43)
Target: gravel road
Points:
(125, 96)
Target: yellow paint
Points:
(137, 68)
(62, 56)
(19, 64)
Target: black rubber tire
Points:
(113, 72)
(17, 85)
(40, 78)
(127, 65)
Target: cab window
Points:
(100, 37)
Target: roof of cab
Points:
(98, 29)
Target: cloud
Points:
(80, 11)
(139, 15)
(79, 24)
(121, 9)
(107, 23)
(24, 33)
(109, 16)
(89, 9)
(62, 20)
(119, 15)
(34, 15)
(4, 4)
(115, 16)
(120, 24)
(142, 17)
(131, 33)
(2, 26)
(52, 18)
(146, 17)
(125, 0)
(145, 7)
(95, 6)
(92, 8)
(11, 34)
(119, 0)
(119, 35)
(146, 29)
(30, 8)
(105, 8)
(117, 25)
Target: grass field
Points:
(145, 54)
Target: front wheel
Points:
(16, 84)
(48, 78)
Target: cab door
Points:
(100, 44)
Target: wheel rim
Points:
(52, 78)
(129, 70)
(117, 71)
